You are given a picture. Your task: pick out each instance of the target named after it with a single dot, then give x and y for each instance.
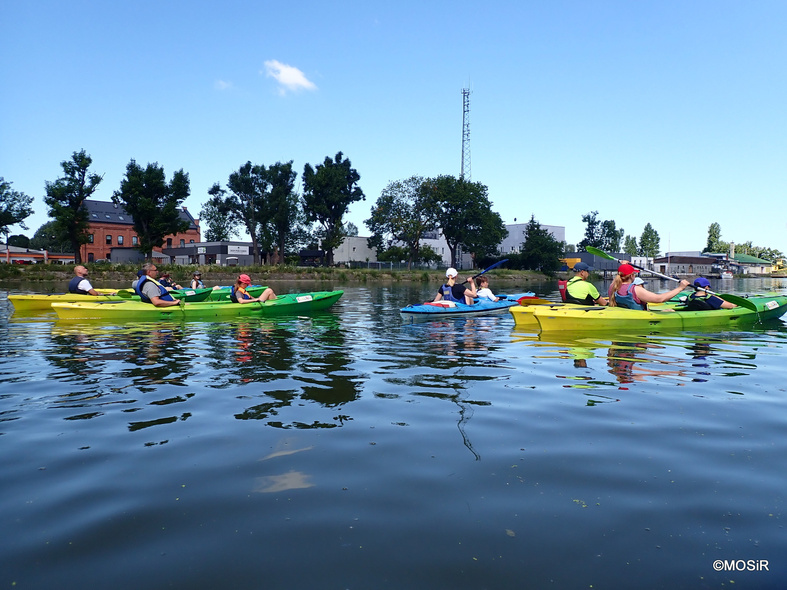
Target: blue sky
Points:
(669, 113)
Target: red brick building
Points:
(112, 227)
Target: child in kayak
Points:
(484, 292)
(701, 300)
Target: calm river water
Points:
(354, 450)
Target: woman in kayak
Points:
(238, 292)
(196, 282)
(626, 290)
(450, 291)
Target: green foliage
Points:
(328, 191)
(66, 197)
(714, 243)
(14, 207)
(153, 203)
(541, 251)
(48, 237)
(603, 235)
(630, 246)
(463, 212)
(19, 240)
(401, 216)
(216, 217)
(649, 242)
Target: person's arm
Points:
(159, 302)
(724, 304)
(597, 298)
(646, 296)
(471, 292)
(438, 297)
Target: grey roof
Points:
(108, 212)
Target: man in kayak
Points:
(238, 292)
(450, 291)
(626, 291)
(79, 284)
(151, 291)
(580, 291)
(701, 300)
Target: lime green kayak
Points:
(580, 318)
(289, 304)
(35, 302)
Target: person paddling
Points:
(450, 291)
(581, 291)
(80, 283)
(701, 300)
(626, 290)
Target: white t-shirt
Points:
(84, 285)
(486, 293)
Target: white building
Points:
(517, 234)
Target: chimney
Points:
(732, 250)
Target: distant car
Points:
(23, 262)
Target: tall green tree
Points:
(541, 251)
(66, 197)
(630, 246)
(216, 217)
(594, 234)
(283, 203)
(153, 203)
(464, 215)
(649, 242)
(611, 236)
(14, 208)
(401, 216)
(714, 244)
(328, 191)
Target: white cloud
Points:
(289, 78)
(222, 85)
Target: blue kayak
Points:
(441, 309)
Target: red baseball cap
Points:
(625, 270)
(244, 279)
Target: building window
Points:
(191, 241)
(109, 240)
(120, 240)
(182, 243)
(90, 238)
(134, 240)
(169, 242)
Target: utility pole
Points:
(466, 175)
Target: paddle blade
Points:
(599, 253)
(739, 301)
(125, 293)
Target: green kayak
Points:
(289, 304)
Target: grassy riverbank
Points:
(222, 275)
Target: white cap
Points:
(451, 272)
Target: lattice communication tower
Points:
(466, 134)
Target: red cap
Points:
(244, 279)
(625, 270)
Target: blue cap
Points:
(701, 282)
(581, 266)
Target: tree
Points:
(611, 236)
(328, 191)
(630, 246)
(66, 197)
(464, 215)
(47, 237)
(593, 232)
(14, 208)
(401, 216)
(649, 242)
(351, 230)
(19, 240)
(540, 251)
(282, 203)
(714, 244)
(216, 217)
(153, 203)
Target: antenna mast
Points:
(466, 134)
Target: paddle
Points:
(488, 268)
(735, 300)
